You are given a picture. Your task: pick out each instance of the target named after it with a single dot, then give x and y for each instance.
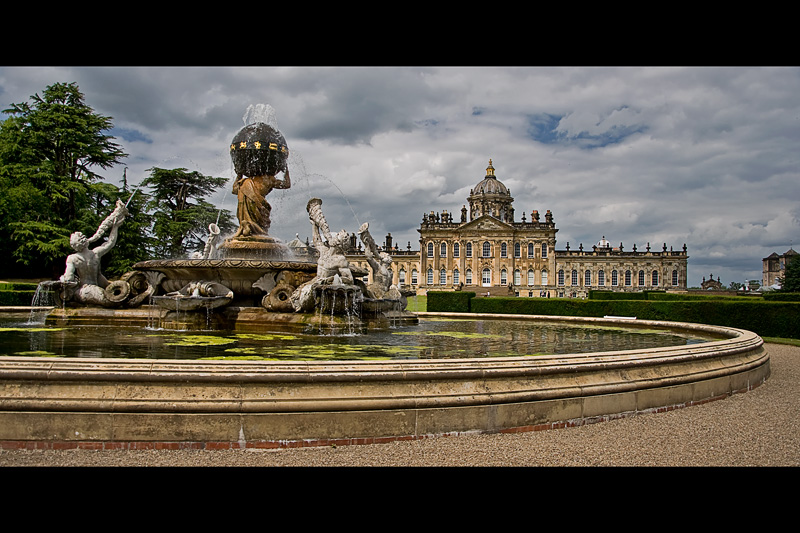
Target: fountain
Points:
(249, 278)
(252, 281)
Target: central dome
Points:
(491, 197)
(490, 184)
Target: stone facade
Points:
(487, 251)
(773, 267)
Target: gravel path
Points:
(757, 428)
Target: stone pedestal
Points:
(260, 247)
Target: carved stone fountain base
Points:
(259, 247)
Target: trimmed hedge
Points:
(768, 319)
(17, 286)
(450, 302)
(778, 296)
(16, 298)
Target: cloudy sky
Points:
(706, 156)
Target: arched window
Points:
(469, 249)
(560, 278)
(544, 251)
(641, 278)
(544, 277)
(504, 277)
(614, 278)
(401, 276)
(487, 249)
(587, 278)
(627, 278)
(456, 279)
(456, 249)
(674, 278)
(468, 279)
(486, 277)
(517, 277)
(414, 278)
(517, 250)
(430, 249)
(654, 278)
(442, 277)
(531, 250)
(430, 276)
(601, 278)
(531, 278)
(574, 277)
(443, 250)
(503, 250)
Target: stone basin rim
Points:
(735, 340)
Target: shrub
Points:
(772, 319)
(450, 302)
(778, 296)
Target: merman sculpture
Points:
(83, 282)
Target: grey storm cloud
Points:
(702, 156)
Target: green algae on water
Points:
(199, 340)
(454, 334)
(36, 330)
(265, 337)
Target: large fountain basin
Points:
(271, 403)
(239, 275)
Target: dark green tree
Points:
(181, 214)
(790, 282)
(51, 149)
(134, 242)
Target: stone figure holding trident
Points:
(83, 266)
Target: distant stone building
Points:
(773, 267)
(487, 251)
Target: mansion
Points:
(487, 251)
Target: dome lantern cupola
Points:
(491, 197)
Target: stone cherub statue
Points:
(85, 282)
